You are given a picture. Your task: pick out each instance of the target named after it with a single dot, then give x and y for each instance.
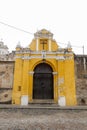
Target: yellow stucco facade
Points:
(44, 72)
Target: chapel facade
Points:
(44, 72)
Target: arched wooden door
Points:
(43, 82)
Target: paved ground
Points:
(42, 119)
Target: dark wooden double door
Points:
(43, 82)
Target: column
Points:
(37, 44)
(49, 44)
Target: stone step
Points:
(43, 106)
(42, 101)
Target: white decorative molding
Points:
(40, 52)
(60, 58)
(31, 72)
(26, 57)
(69, 57)
(55, 73)
(44, 56)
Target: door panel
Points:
(43, 82)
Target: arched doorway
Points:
(43, 82)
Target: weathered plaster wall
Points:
(6, 74)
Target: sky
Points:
(66, 19)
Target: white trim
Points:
(39, 52)
(45, 57)
(55, 73)
(44, 54)
(31, 72)
(60, 58)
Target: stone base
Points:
(24, 100)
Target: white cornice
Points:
(44, 57)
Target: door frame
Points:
(52, 78)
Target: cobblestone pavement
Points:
(41, 119)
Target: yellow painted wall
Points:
(63, 70)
